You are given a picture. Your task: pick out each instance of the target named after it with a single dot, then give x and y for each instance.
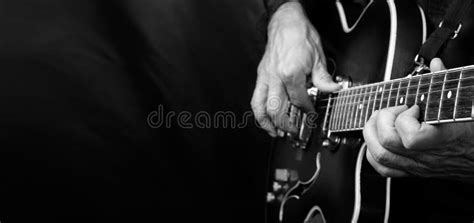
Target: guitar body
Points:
(333, 182)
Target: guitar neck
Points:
(443, 97)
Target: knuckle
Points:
(400, 121)
(408, 142)
(256, 108)
(259, 118)
(290, 72)
(383, 172)
(264, 122)
(287, 76)
(386, 140)
(381, 157)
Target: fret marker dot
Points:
(422, 97)
(401, 100)
(361, 106)
(380, 89)
(450, 94)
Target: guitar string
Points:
(380, 92)
(370, 104)
(411, 86)
(382, 100)
(388, 99)
(401, 88)
(430, 75)
(404, 95)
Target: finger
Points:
(379, 154)
(277, 106)
(258, 104)
(416, 135)
(322, 79)
(436, 64)
(387, 133)
(384, 170)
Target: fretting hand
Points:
(399, 145)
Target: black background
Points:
(78, 81)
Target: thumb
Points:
(437, 65)
(323, 80)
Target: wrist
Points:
(289, 16)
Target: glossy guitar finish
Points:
(334, 183)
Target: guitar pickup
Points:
(304, 124)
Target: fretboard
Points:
(445, 96)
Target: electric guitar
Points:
(320, 174)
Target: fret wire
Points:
(375, 99)
(334, 122)
(442, 95)
(339, 115)
(336, 118)
(418, 90)
(353, 109)
(346, 107)
(428, 98)
(408, 87)
(381, 97)
(357, 111)
(389, 94)
(350, 107)
(362, 109)
(368, 102)
(341, 110)
(398, 93)
(325, 127)
(334, 111)
(347, 121)
(457, 95)
(368, 105)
